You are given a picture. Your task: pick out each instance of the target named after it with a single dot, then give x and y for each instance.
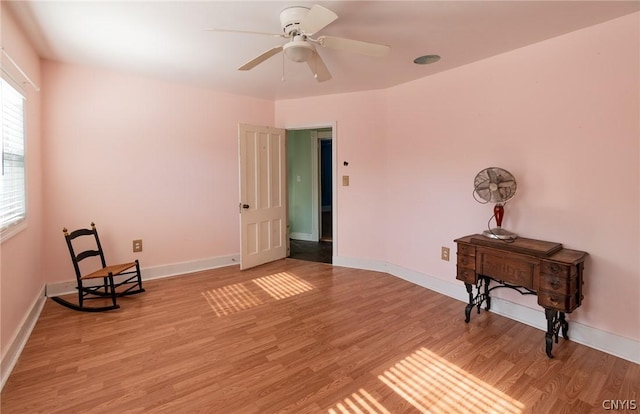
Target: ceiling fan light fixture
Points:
(298, 50)
(426, 59)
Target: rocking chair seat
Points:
(113, 269)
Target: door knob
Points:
(245, 206)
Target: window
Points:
(13, 190)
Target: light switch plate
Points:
(345, 180)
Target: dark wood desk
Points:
(531, 267)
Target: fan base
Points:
(500, 234)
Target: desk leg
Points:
(486, 296)
(555, 322)
(467, 309)
(564, 325)
(482, 295)
(551, 316)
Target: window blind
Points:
(13, 190)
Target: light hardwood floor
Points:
(302, 337)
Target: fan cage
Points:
(494, 185)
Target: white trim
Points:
(20, 338)
(334, 187)
(610, 343)
(158, 272)
(357, 263)
(24, 75)
(13, 229)
(302, 236)
(315, 199)
(178, 269)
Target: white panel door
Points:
(263, 212)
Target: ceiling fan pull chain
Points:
(315, 65)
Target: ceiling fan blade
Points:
(319, 69)
(349, 45)
(212, 29)
(317, 19)
(259, 59)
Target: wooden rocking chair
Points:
(107, 282)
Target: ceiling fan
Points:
(299, 24)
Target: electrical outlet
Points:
(444, 253)
(137, 246)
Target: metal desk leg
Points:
(467, 309)
(482, 295)
(555, 322)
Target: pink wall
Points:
(144, 159)
(360, 135)
(561, 115)
(21, 278)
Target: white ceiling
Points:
(166, 39)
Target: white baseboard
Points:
(302, 236)
(157, 272)
(177, 269)
(17, 343)
(613, 344)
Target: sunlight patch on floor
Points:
(230, 299)
(433, 385)
(237, 297)
(283, 285)
(360, 402)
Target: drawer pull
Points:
(553, 300)
(555, 268)
(555, 283)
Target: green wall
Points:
(299, 181)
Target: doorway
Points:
(310, 186)
(325, 174)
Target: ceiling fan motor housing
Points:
(290, 19)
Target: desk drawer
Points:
(551, 300)
(558, 284)
(468, 262)
(466, 249)
(507, 269)
(557, 269)
(467, 275)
